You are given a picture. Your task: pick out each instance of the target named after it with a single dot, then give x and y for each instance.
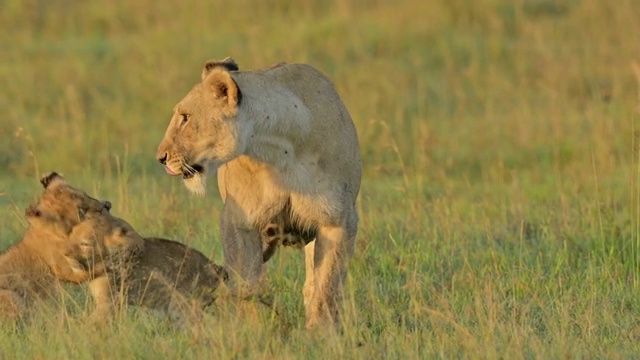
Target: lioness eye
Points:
(185, 118)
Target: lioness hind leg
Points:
(333, 248)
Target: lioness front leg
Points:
(323, 286)
(242, 254)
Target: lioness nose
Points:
(163, 159)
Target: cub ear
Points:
(227, 63)
(51, 178)
(32, 211)
(222, 86)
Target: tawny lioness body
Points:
(287, 153)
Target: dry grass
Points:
(499, 208)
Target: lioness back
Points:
(315, 117)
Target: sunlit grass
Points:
(499, 206)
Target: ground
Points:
(500, 196)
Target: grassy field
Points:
(500, 198)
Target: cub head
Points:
(49, 237)
(105, 241)
(65, 203)
(205, 130)
(46, 226)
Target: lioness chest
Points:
(262, 194)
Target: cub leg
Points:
(12, 306)
(100, 289)
(160, 293)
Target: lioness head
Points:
(65, 203)
(104, 241)
(205, 130)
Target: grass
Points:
(499, 204)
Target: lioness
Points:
(287, 153)
(162, 274)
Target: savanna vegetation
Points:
(500, 198)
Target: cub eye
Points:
(184, 118)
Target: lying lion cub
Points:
(72, 237)
(166, 275)
(30, 270)
(57, 211)
(68, 205)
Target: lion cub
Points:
(66, 204)
(30, 269)
(165, 275)
(59, 208)
(27, 273)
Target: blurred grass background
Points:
(499, 206)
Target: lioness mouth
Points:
(195, 169)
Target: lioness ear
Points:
(51, 178)
(227, 63)
(222, 86)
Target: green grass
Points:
(499, 204)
